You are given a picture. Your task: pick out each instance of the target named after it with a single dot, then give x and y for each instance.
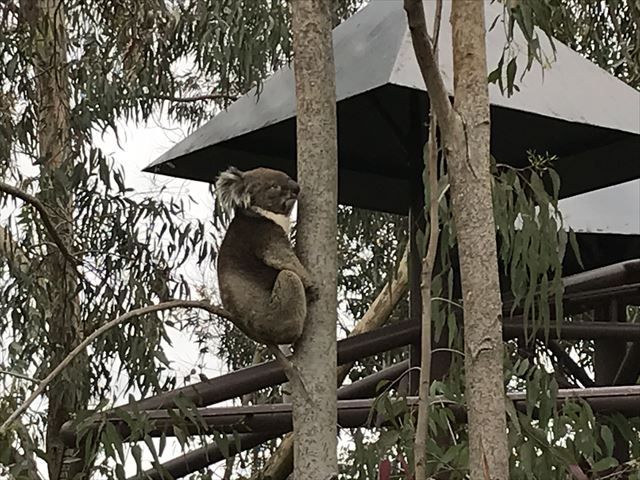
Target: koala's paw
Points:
(313, 293)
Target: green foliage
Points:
(546, 439)
(122, 64)
(605, 32)
(532, 238)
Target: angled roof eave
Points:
(571, 88)
(366, 47)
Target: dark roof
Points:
(573, 109)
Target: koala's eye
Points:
(274, 187)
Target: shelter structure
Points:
(574, 110)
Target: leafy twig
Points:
(19, 375)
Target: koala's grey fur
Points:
(262, 282)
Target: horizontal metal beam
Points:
(623, 273)
(247, 380)
(583, 300)
(202, 457)
(576, 331)
(386, 338)
(360, 412)
(268, 374)
(356, 413)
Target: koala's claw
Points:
(313, 293)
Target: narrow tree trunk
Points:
(431, 165)
(465, 129)
(473, 216)
(422, 424)
(314, 419)
(68, 393)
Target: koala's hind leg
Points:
(288, 306)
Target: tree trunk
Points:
(473, 216)
(314, 418)
(465, 129)
(69, 392)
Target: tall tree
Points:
(80, 248)
(465, 128)
(314, 415)
(69, 393)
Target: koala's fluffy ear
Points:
(231, 189)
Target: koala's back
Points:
(242, 276)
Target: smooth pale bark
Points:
(465, 128)
(315, 416)
(473, 216)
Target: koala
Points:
(262, 282)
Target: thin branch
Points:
(427, 61)
(427, 273)
(292, 373)
(436, 28)
(428, 262)
(107, 326)
(44, 215)
(572, 367)
(29, 447)
(19, 375)
(196, 98)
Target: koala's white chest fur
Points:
(279, 219)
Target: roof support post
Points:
(608, 356)
(418, 113)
